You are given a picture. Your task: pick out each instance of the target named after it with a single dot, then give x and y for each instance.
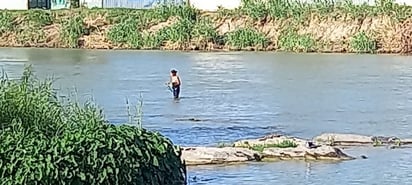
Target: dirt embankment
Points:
(114, 29)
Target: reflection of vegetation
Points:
(50, 141)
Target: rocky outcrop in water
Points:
(336, 139)
(326, 146)
(269, 148)
(215, 155)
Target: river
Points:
(240, 95)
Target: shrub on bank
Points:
(362, 43)
(290, 40)
(246, 37)
(48, 141)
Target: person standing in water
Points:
(176, 82)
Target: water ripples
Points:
(231, 96)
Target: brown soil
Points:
(333, 32)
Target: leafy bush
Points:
(290, 40)
(246, 37)
(72, 30)
(48, 141)
(126, 32)
(6, 21)
(362, 43)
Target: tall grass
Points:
(290, 40)
(46, 141)
(362, 43)
(246, 37)
(72, 30)
(6, 22)
(298, 10)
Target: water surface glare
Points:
(245, 95)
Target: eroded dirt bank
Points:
(184, 28)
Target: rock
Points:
(214, 155)
(335, 139)
(342, 139)
(189, 119)
(269, 140)
(280, 147)
(301, 152)
(286, 147)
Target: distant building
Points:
(206, 5)
(14, 5)
(213, 5)
(134, 4)
(34, 4)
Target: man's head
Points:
(173, 71)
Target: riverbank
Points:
(270, 26)
(327, 146)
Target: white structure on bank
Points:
(14, 4)
(92, 3)
(206, 5)
(213, 5)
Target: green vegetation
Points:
(246, 37)
(361, 43)
(257, 24)
(290, 40)
(184, 26)
(72, 30)
(283, 144)
(47, 140)
(281, 9)
(6, 22)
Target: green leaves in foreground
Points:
(44, 141)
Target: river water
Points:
(246, 95)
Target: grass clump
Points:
(255, 9)
(46, 140)
(203, 32)
(6, 22)
(72, 30)
(246, 37)
(126, 32)
(290, 40)
(130, 26)
(283, 144)
(362, 43)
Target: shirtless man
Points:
(175, 81)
